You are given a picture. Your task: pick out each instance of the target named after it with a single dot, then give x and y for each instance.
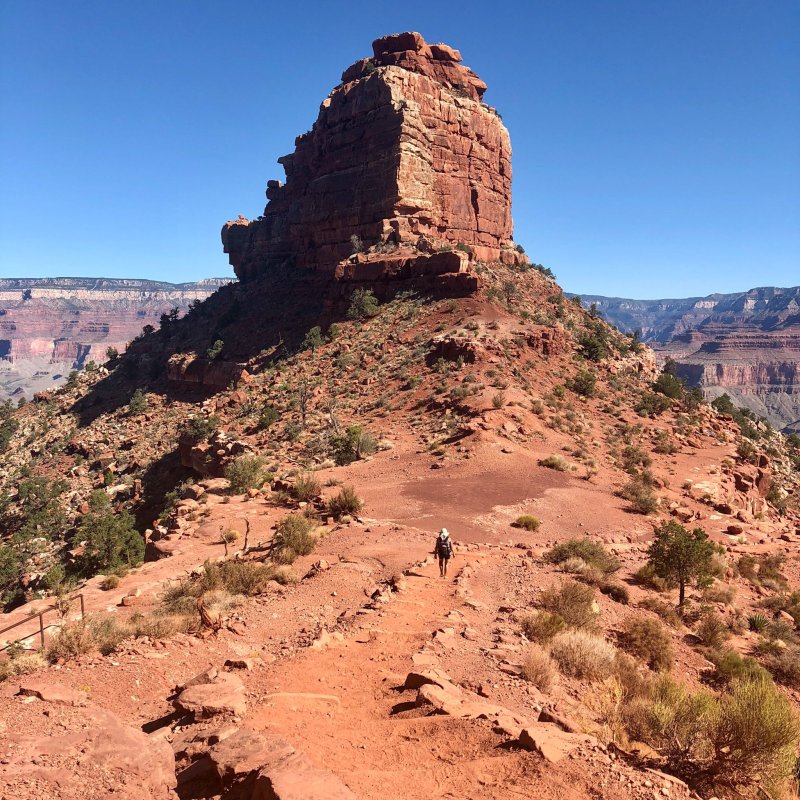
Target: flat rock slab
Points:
(52, 693)
(552, 743)
(222, 694)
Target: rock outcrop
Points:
(405, 176)
(746, 344)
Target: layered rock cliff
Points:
(746, 344)
(50, 326)
(406, 174)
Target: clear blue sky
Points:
(656, 143)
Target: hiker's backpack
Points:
(444, 548)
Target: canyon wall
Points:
(49, 326)
(745, 344)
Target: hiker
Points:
(444, 551)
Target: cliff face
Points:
(746, 344)
(404, 162)
(50, 326)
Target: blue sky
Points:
(656, 144)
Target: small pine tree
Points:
(313, 339)
(680, 556)
(111, 539)
(137, 404)
(363, 304)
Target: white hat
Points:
(443, 533)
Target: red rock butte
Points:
(405, 174)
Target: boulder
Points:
(212, 693)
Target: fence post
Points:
(82, 611)
(41, 628)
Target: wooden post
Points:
(41, 629)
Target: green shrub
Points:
(111, 540)
(353, 444)
(729, 666)
(72, 640)
(306, 487)
(528, 522)
(712, 630)
(618, 592)
(268, 417)
(138, 404)
(592, 553)
(651, 404)
(363, 305)
(648, 640)
(584, 383)
(346, 502)
(542, 626)
(313, 339)
(215, 350)
(757, 623)
(294, 537)
(639, 493)
(21, 664)
(245, 473)
(573, 602)
(199, 427)
(669, 386)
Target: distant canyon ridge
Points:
(745, 344)
(50, 326)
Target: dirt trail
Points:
(344, 707)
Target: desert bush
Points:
(666, 611)
(669, 386)
(528, 522)
(648, 640)
(719, 593)
(353, 444)
(555, 462)
(617, 591)
(72, 640)
(729, 666)
(306, 487)
(584, 383)
(583, 655)
(646, 576)
(633, 458)
(246, 472)
(199, 427)
(639, 493)
(269, 416)
(109, 582)
(764, 570)
(363, 305)
(294, 537)
(783, 664)
(21, 664)
(538, 668)
(592, 553)
(651, 404)
(573, 602)
(138, 404)
(542, 626)
(346, 502)
(712, 630)
(111, 540)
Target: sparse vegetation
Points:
(538, 668)
(589, 552)
(583, 655)
(573, 602)
(555, 462)
(352, 445)
(363, 305)
(294, 537)
(527, 522)
(137, 404)
(648, 640)
(246, 472)
(346, 502)
(640, 494)
(306, 487)
(542, 626)
(111, 540)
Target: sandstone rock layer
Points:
(404, 162)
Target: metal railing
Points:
(40, 615)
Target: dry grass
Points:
(527, 522)
(583, 655)
(538, 668)
(21, 664)
(555, 462)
